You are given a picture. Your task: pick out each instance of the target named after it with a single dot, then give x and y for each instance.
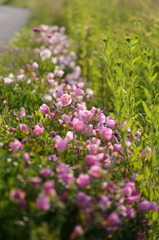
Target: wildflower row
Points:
(70, 161)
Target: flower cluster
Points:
(75, 158)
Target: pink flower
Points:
(107, 133)
(128, 142)
(88, 130)
(100, 127)
(48, 187)
(78, 230)
(95, 111)
(53, 134)
(101, 117)
(132, 199)
(85, 115)
(22, 112)
(26, 158)
(35, 65)
(46, 172)
(60, 144)
(44, 109)
(144, 205)
(153, 206)
(83, 180)
(43, 203)
(35, 181)
(62, 169)
(145, 153)
(67, 178)
(123, 124)
(113, 219)
(36, 30)
(69, 136)
(127, 191)
(52, 157)
(65, 99)
(80, 106)
(78, 125)
(134, 176)
(83, 200)
(91, 159)
(24, 127)
(131, 213)
(58, 73)
(117, 147)
(79, 92)
(38, 130)
(66, 118)
(121, 208)
(95, 171)
(59, 93)
(110, 123)
(93, 148)
(7, 80)
(130, 184)
(17, 194)
(15, 146)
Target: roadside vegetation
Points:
(79, 119)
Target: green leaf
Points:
(136, 59)
(147, 111)
(147, 94)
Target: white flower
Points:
(46, 98)
(45, 54)
(89, 92)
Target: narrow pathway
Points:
(11, 20)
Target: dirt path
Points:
(11, 20)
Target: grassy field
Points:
(109, 149)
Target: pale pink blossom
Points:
(95, 171)
(79, 92)
(22, 112)
(58, 73)
(7, 80)
(65, 99)
(85, 115)
(44, 109)
(61, 144)
(38, 130)
(69, 136)
(15, 146)
(107, 133)
(78, 125)
(101, 117)
(66, 118)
